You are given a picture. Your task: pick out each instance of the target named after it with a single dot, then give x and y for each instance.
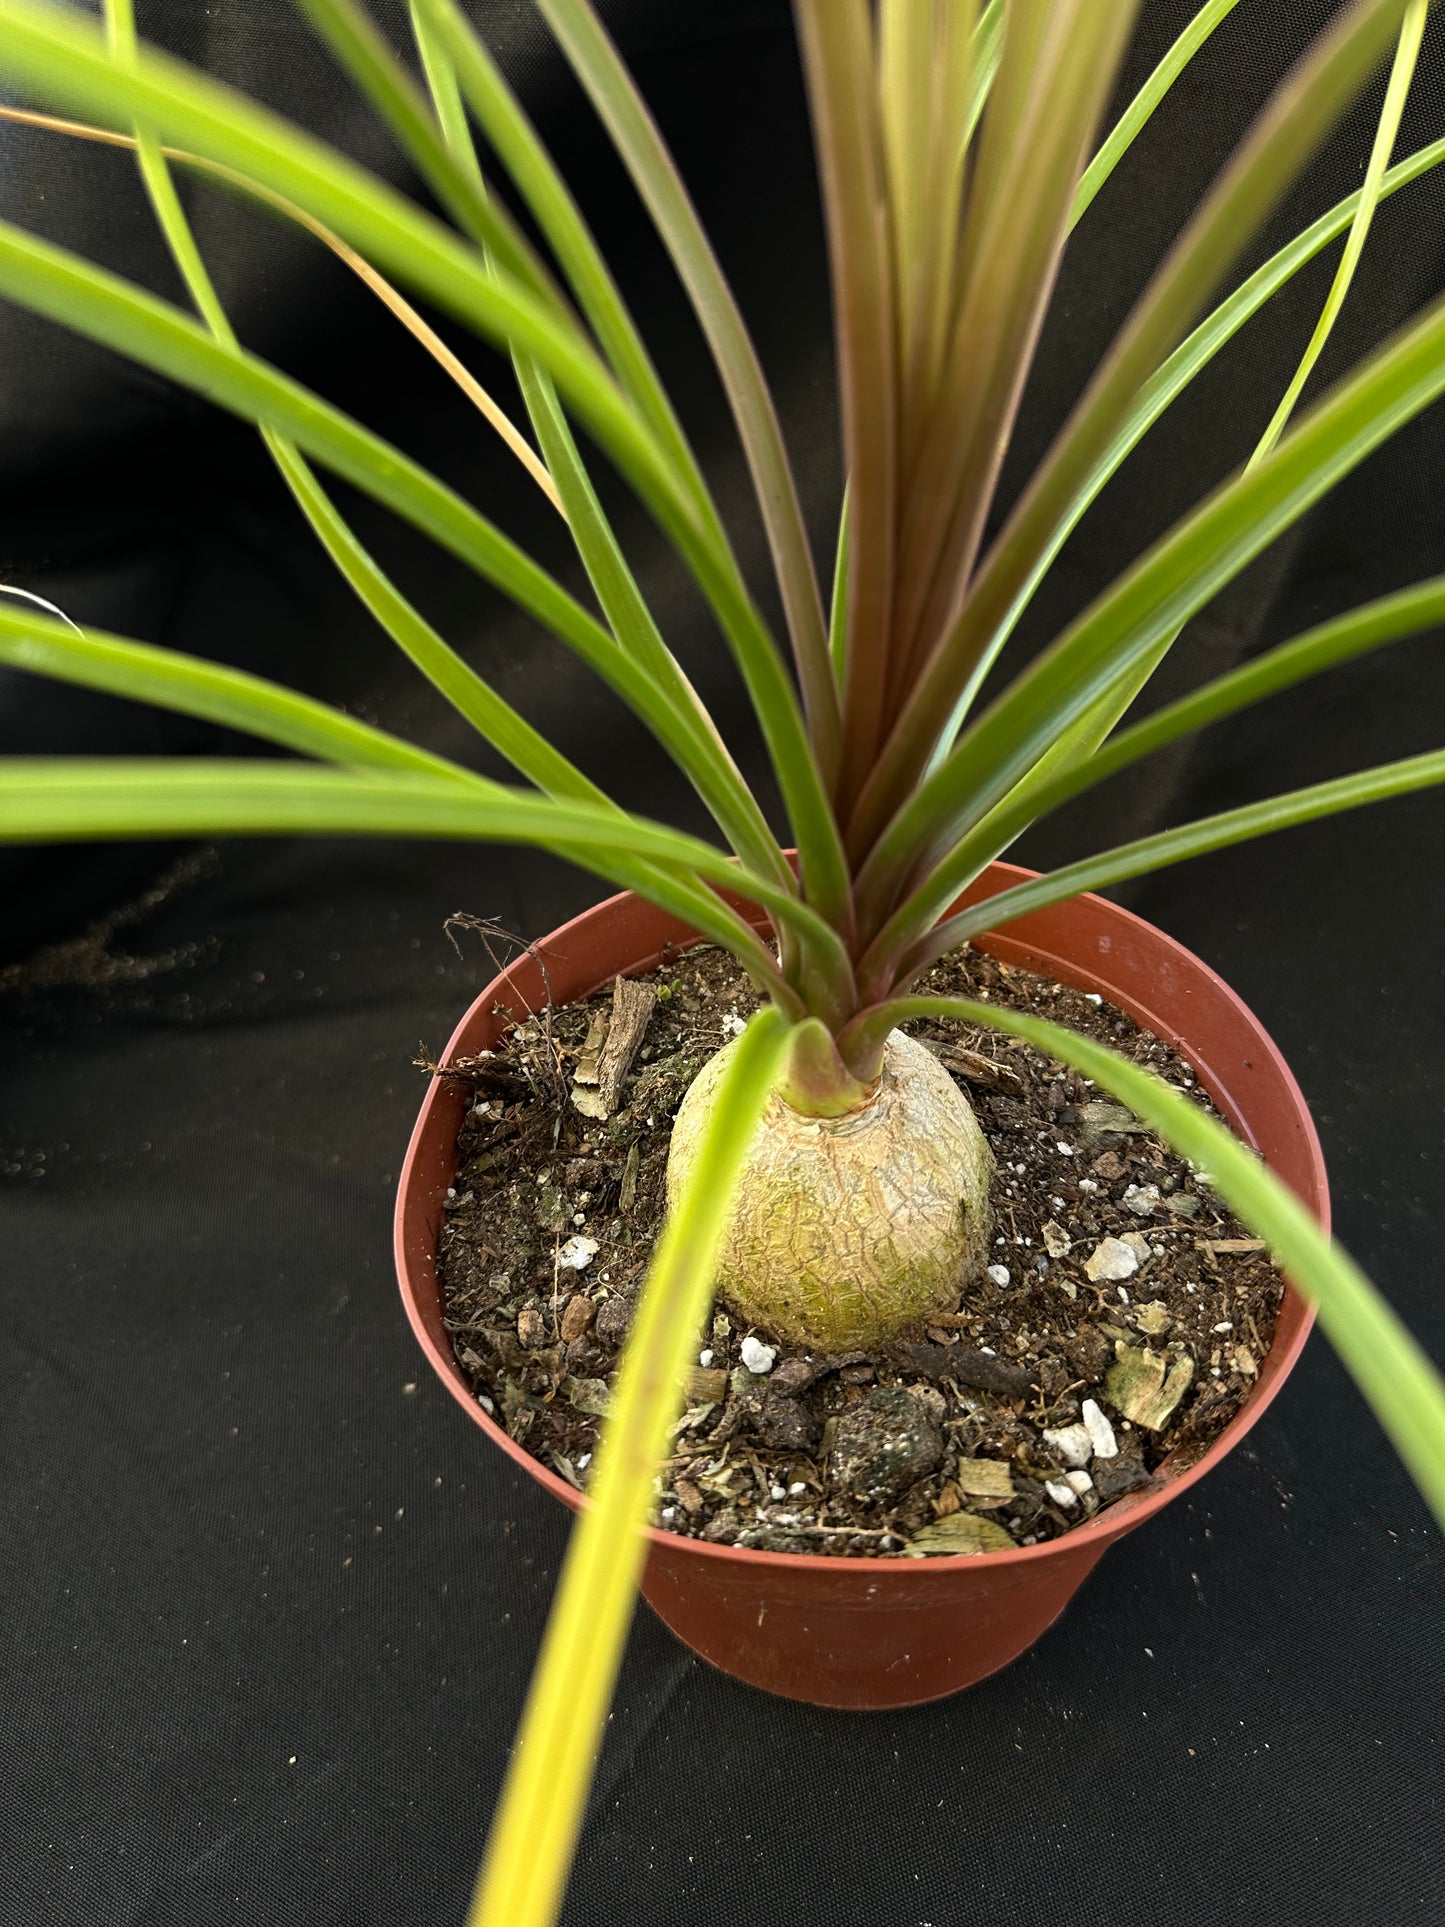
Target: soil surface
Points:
(1121, 1322)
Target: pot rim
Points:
(1111, 1524)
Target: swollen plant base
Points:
(851, 1229)
(1119, 1322)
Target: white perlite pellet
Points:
(1073, 1443)
(1101, 1432)
(757, 1356)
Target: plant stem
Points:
(816, 1081)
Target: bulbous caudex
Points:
(861, 1212)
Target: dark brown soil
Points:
(937, 1445)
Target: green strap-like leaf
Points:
(98, 304)
(631, 619)
(634, 133)
(907, 58)
(1164, 388)
(838, 602)
(230, 697)
(1372, 625)
(1079, 744)
(1150, 602)
(596, 543)
(1301, 112)
(458, 63)
(836, 37)
(1404, 1388)
(1298, 116)
(58, 55)
(1059, 60)
(699, 535)
(354, 39)
(494, 719)
(1136, 115)
(1411, 33)
(987, 53)
(535, 1831)
(236, 700)
(63, 799)
(198, 688)
(1166, 847)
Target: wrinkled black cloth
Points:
(271, 1603)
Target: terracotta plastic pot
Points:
(864, 1633)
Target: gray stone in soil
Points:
(786, 1424)
(1143, 1199)
(554, 1210)
(883, 1446)
(614, 1315)
(1113, 1478)
(932, 1401)
(1102, 1124)
(584, 1359)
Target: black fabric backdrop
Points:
(270, 1602)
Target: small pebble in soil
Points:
(1060, 1493)
(1111, 1258)
(577, 1317)
(577, 1254)
(1057, 1241)
(531, 1327)
(999, 1274)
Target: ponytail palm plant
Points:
(958, 148)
